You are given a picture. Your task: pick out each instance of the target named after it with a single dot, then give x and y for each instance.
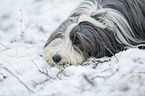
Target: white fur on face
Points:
(66, 51)
(63, 47)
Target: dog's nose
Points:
(56, 58)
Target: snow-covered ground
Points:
(25, 25)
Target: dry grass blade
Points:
(29, 90)
(4, 45)
(111, 53)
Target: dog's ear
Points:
(53, 36)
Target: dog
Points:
(95, 29)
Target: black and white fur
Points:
(94, 26)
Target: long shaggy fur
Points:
(94, 26)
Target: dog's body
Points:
(95, 26)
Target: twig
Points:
(84, 60)
(42, 82)
(61, 71)
(11, 66)
(29, 90)
(42, 72)
(64, 73)
(111, 53)
(105, 77)
(4, 45)
(89, 80)
(21, 24)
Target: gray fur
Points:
(122, 21)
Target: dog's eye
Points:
(76, 40)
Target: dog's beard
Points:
(65, 49)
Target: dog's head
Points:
(59, 47)
(74, 41)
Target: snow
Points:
(25, 25)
